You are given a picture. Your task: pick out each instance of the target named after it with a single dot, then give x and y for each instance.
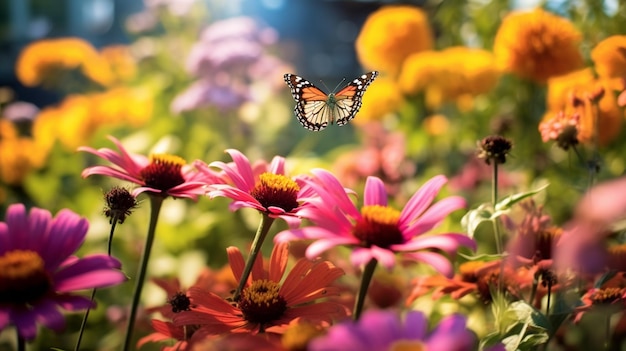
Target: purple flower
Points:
(207, 92)
(377, 231)
(383, 330)
(38, 272)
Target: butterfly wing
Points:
(311, 108)
(349, 99)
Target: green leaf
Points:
(528, 314)
(474, 218)
(508, 202)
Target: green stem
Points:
(368, 273)
(259, 237)
(155, 202)
(21, 343)
(494, 201)
(83, 324)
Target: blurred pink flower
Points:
(383, 330)
(378, 231)
(266, 188)
(162, 174)
(38, 271)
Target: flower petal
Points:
(439, 262)
(422, 199)
(375, 193)
(433, 216)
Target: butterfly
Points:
(315, 109)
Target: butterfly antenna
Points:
(338, 84)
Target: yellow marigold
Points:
(609, 57)
(19, 154)
(391, 34)
(382, 98)
(42, 61)
(573, 93)
(454, 74)
(78, 117)
(537, 45)
(121, 61)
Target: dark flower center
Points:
(179, 302)
(378, 226)
(119, 204)
(494, 148)
(261, 303)
(607, 296)
(469, 270)
(163, 172)
(23, 278)
(276, 190)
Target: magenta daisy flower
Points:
(378, 231)
(263, 187)
(38, 272)
(162, 174)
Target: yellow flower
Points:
(19, 155)
(537, 45)
(121, 61)
(454, 74)
(573, 94)
(78, 117)
(41, 61)
(609, 57)
(381, 99)
(391, 34)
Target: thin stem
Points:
(155, 203)
(494, 201)
(368, 273)
(83, 324)
(259, 237)
(21, 343)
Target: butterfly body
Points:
(316, 110)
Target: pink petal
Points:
(5, 238)
(331, 186)
(422, 199)
(17, 222)
(361, 256)
(375, 193)
(432, 217)
(4, 317)
(244, 168)
(439, 262)
(67, 233)
(236, 261)
(278, 165)
(49, 315)
(385, 257)
(449, 243)
(320, 246)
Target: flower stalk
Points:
(155, 203)
(368, 273)
(259, 237)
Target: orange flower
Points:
(609, 57)
(121, 61)
(574, 94)
(267, 303)
(537, 45)
(391, 34)
(454, 74)
(43, 60)
(78, 117)
(19, 155)
(381, 99)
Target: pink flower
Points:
(38, 271)
(266, 188)
(162, 174)
(378, 231)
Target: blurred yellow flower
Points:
(78, 117)
(609, 57)
(44, 59)
(122, 63)
(382, 98)
(19, 154)
(574, 94)
(454, 74)
(391, 34)
(537, 45)
(436, 125)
